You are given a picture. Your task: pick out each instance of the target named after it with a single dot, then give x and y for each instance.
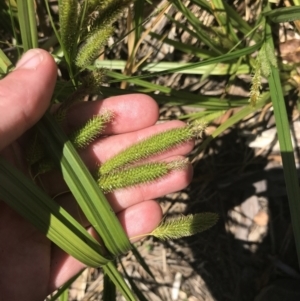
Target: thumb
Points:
(25, 94)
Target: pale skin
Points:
(31, 266)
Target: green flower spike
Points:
(264, 61)
(153, 145)
(68, 18)
(138, 174)
(175, 228)
(92, 82)
(92, 46)
(256, 83)
(90, 131)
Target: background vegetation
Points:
(235, 65)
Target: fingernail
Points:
(30, 60)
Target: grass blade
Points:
(189, 49)
(176, 97)
(64, 287)
(111, 271)
(5, 63)
(28, 27)
(134, 287)
(109, 289)
(222, 58)
(220, 69)
(285, 14)
(198, 27)
(138, 7)
(223, 18)
(141, 260)
(286, 147)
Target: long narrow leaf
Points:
(13, 12)
(285, 14)
(111, 270)
(189, 49)
(141, 261)
(64, 287)
(134, 287)
(5, 63)
(222, 58)
(286, 147)
(109, 289)
(28, 27)
(224, 20)
(176, 97)
(198, 27)
(220, 69)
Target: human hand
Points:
(31, 266)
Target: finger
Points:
(136, 220)
(131, 113)
(25, 94)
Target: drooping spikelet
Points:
(93, 80)
(183, 226)
(110, 10)
(68, 19)
(256, 84)
(90, 131)
(92, 46)
(153, 145)
(270, 54)
(95, 35)
(139, 174)
(264, 61)
(94, 13)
